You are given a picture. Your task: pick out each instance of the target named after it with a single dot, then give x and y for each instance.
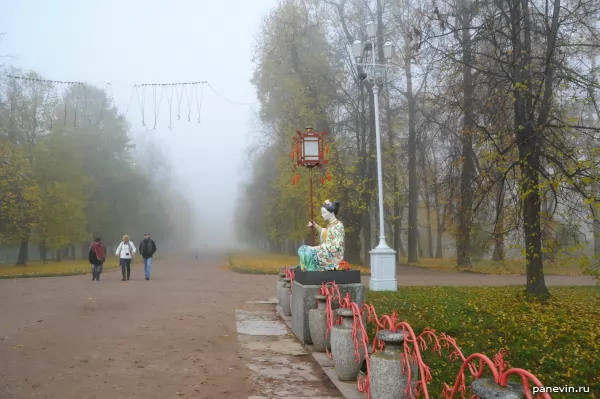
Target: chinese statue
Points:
(329, 254)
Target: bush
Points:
(558, 341)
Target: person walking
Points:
(96, 257)
(125, 252)
(147, 249)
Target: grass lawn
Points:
(557, 341)
(564, 267)
(269, 263)
(54, 268)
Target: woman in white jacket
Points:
(125, 252)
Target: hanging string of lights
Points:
(174, 92)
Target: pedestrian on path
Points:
(125, 252)
(147, 249)
(96, 257)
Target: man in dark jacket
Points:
(147, 250)
(96, 257)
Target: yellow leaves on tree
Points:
(19, 199)
(59, 168)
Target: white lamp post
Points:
(383, 258)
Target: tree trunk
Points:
(59, 255)
(596, 230)
(352, 251)
(396, 208)
(398, 245)
(499, 222)
(463, 244)
(23, 252)
(528, 139)
(419, 246)
(73, 252)
(413, 189)
(43, 251)
(425, 195)
(531, 221)
(85, 249)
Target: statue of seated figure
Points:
(329, 254)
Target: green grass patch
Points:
(55, 269)
(558, 341)
(268, 263)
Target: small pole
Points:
(312, 217)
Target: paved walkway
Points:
(411, 275)
(171, 337)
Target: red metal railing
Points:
(413, 347)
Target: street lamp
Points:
(308, 152)
(383, 258)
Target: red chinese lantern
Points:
(297, 177)
(328, 175)
(322, 179)
(327, 149)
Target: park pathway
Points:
(411, 275)
(174, 336)
(171, 337)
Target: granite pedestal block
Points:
(318, 278)
(303, 300)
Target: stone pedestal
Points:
(303, 300)
(486, 388)
(279, 286)
(317, 322)
(388, 381)
(342, 348)
(383, 270)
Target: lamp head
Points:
(388, 50)
(372, 29)
(358, 49)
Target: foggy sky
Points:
(128, 42)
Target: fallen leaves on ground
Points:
(52, 269)
(557, 340)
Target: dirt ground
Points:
(171, 337)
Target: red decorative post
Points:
(308, 152)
